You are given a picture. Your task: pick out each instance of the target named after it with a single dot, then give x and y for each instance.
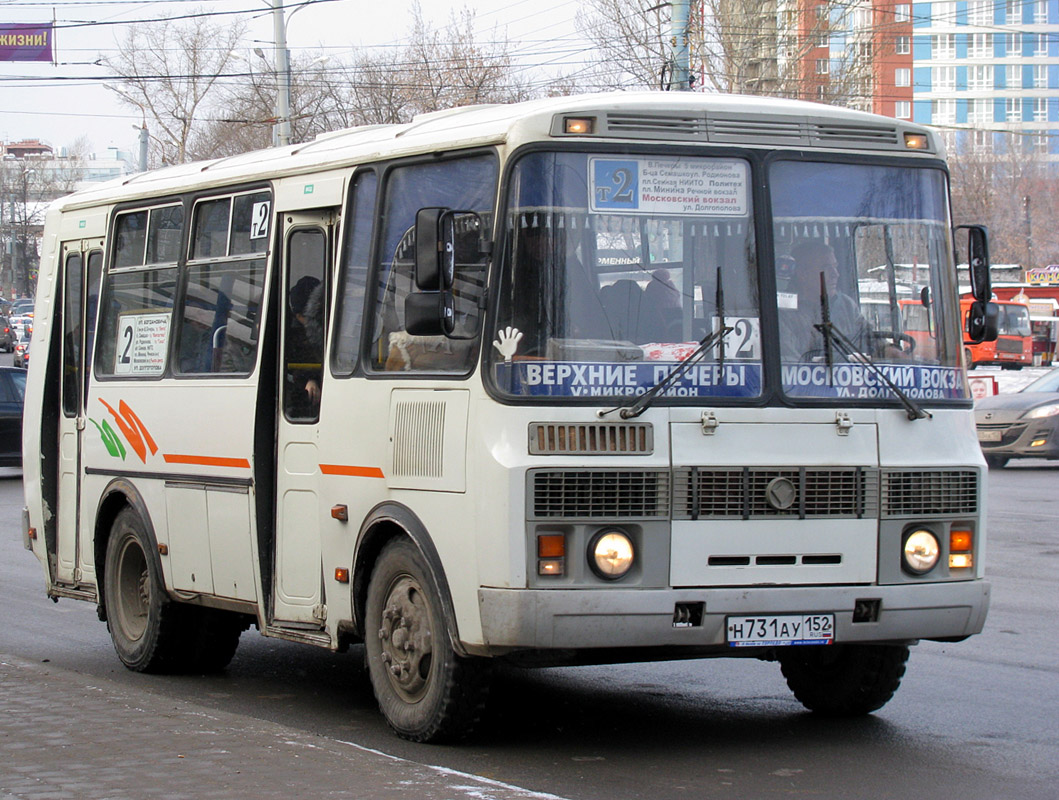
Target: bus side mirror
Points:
(447, 242)
(445, 238)
(434, 249)
(430, 313)
(978, 262)
(982, 321)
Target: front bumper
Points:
(609, 618)
(1016, 440)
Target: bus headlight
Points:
(921, 551)
(611, 554)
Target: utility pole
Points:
(678, 26)
(281, 132)
(1029, 231)
(143, 147)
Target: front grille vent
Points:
(914, 493)
(726, 127)
(653, 125)
(599, 494)
(744, 131)
(755, 493)
(831, 134)
(593, 438)
(1009, 346)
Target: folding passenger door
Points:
(308, 244)
(81, 273)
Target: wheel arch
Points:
(385, 522)
(118, 495)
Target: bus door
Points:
(308, 242)
(82, 270)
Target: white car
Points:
(21, 323)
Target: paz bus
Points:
(516, 383)
(1013, 346)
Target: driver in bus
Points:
(801, 310)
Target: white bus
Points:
(519, 382)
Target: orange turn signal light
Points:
(342, 574)
(551, 545)
(960, 541)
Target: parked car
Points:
(12, 394)
(1022, 424)
(21, 358)
(7, 335)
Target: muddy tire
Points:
(844, 680)
(425, 690)
(210, 638)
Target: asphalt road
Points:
(972, 720)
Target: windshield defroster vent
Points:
(591, 439)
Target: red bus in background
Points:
(1013, 348)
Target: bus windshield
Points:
(855, 246)
(1013, 320)
(616, 267)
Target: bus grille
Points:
(752, 492)
(598, 494)
(592, 438)
(1009, 346)
(912, 493)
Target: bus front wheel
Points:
(843, 680)
(144, 624)
(425, 690)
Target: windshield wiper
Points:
(643, 401)
(833, 335)
(707, 343)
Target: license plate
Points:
(989, 436)
(776, 631)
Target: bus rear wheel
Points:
(426, 691)
(144, 624)
(844, 680)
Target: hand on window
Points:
(507, 341)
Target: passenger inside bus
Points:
(304, 348)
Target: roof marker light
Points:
(578, 125)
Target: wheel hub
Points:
(407, 645)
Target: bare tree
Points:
(741, 46)
(631, 41)
(431, 70)
(169, 71)
(244, 117)
(1010, 188)
(28, 185)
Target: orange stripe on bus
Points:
(206, 461)
(355, 472)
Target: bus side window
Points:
(306, 319)
(353, 279)
(225, 281)
(466, 184)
